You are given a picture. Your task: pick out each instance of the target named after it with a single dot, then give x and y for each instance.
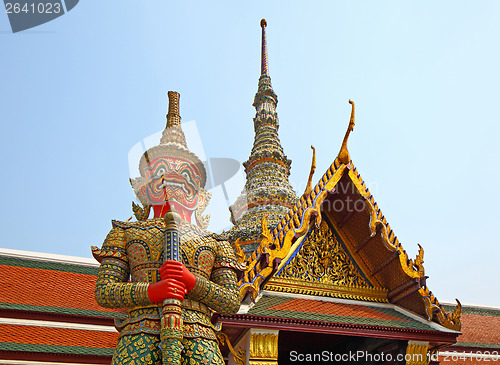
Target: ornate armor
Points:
(135, 250)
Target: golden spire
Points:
(173, 131)
(344, 153)
(173, 117)
(264, 70)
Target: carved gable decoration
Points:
(322, 259)
(321, 266)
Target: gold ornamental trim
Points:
(264, 347)
(310, 210)
(417, 354)
(238, 354)
(297, 286)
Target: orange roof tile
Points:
(480, 329)
(41, 287)
(57, 336)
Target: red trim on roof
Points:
(345, 329)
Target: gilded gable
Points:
(323, 259)
(321, 265)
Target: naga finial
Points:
(266, 235)
(264, 70)
(240, 254)
(311, 173)
(344, 153)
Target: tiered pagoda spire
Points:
(267, 190)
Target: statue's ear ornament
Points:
(141, 214)
(204, 197)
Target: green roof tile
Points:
(46, 265)
(55, 349)
(262, 308)
(478, 344)
(60, 310)
(491, 312)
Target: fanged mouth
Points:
(174, 185)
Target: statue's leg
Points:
(137, 350)
(201, 351)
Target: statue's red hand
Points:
(166, 289)
(176, 270)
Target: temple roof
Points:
(48, 287)
(338, 311)
(48, 311)
(37, 338)
(47, 324)
(364, 236)
(480, 329)
(333, 316)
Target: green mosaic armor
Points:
(130, 258)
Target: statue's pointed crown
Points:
(173, 141)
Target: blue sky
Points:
(77, 93)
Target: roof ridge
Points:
(56, 324)
(48, 257)
(469, 305)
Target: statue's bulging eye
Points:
(185, 175)
(161, 171)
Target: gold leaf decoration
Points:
(239, 354)
(264, 346)
(322, 259)
(240, 254)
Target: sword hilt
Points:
(172, 239)
(171, 322)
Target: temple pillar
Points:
(416, 353)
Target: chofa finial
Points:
(311, 173)
(344, 153)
